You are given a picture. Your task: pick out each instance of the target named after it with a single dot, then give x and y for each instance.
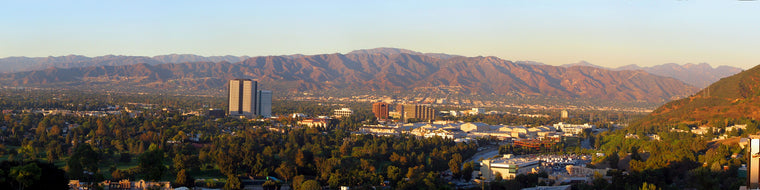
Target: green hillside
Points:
(724, 102)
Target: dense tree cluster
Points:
(157, 144)
(679, 160)
(29, 174)
(336, 158)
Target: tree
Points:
(101, 131)
(297, 181)
(210, 183)
(454, 165)
(184, 179)
(117, 174)
(334, 181)
(226, 163)
(394, 173)
(28, 152)
(55, 131)
(151, 163)
(302, 158)
(613, 160)
(311, 185)
(270, 184)
(635, 154)
(345, 149)
(497, 176)
(26, 175)
(599, 181)
(54, 151)
(233, 182)
(83, 159)
(414, 171)
(286, 170)
(179, 162)
(467, 170)
(648, 186)
(51, 156)
(90, 158)
(75, 167)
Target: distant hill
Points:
(182, 58)
(380, 70)
(583, 64)
(733, 97)
(19, 64)
(529, 63)
(396, 51)
(698, 75)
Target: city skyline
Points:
(609, 34)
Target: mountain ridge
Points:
(698, 75)
(388, 72)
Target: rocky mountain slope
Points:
(365, 71)
(698, 75)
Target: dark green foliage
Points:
(233, 183)
(184, 179)
(151, 163)
(84, 159)
(467, 170)
(311, 185)
(31, 175)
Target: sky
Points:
(606, 33)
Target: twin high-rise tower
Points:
(246, 100)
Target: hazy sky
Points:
(607, 33)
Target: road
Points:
(490, 151)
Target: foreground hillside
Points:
(359, 72)
(732, 98)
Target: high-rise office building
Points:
(381, 110)
(419, 112)
(242, 97)
(264, 103)
(400, 110)
(245, 100)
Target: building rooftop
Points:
(509, 161)
(563, 187)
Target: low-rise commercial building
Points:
(314, 122)
(343, 112)
(572, 128)
(475, 127)
(508, 167)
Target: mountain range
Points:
(21, 64)
(378, 70)
(698, 75)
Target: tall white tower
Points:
(753, 170)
